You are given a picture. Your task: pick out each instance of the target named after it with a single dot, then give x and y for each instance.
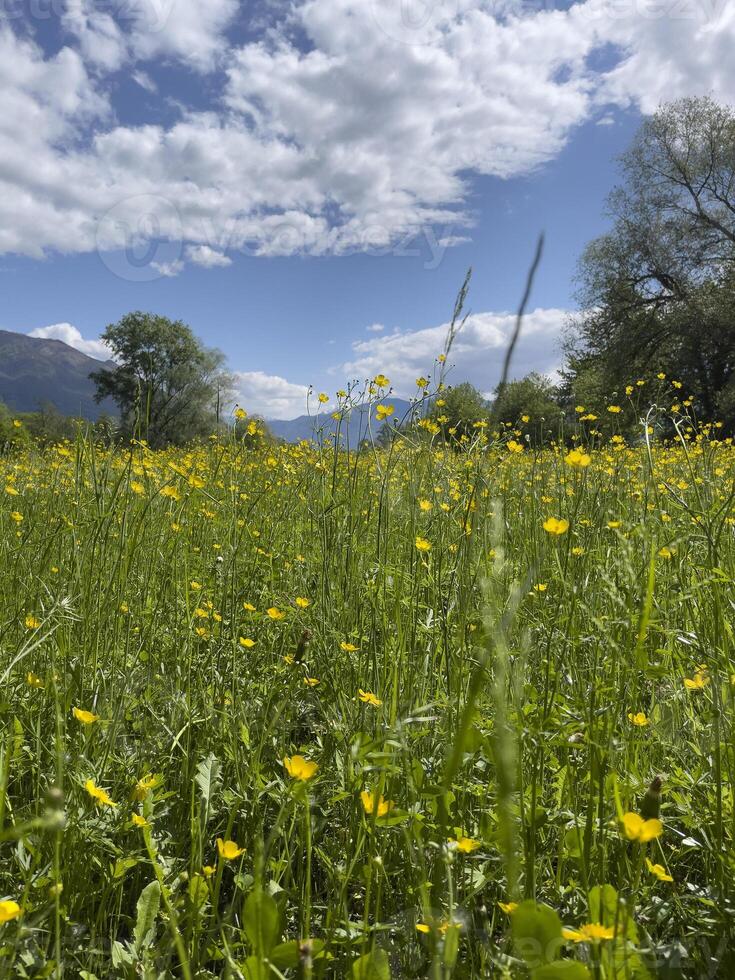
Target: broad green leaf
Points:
(208, 779)
(260, 919)
(561, 970)
(536, 933)
(372, 966)
(147, 910)
(287, 956)
(573, 842)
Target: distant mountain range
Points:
(358, 427)
(35, 372)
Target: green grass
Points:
(504, 715)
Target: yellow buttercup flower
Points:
(323, 398)
(658, 870)
(383, 412)
(578, 459)
(348, 647)
(85, 717)
(145, 785)
(422, 544)
(9, 910)
(300, 768)
(367, 698)
(591, 932)
(32, 623)
(697, 682)
(638, 829)
(508, 907)
(228, 849)
(639, 719)
(246, 642)
(302, 603)
(369, 804)
(275, 613)
(33, 680)
(140, 821)
(556, 525)
(98, 794)
(465, 844)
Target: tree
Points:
(458, 409)
(657, 291)
(533, 402)
(167, 386)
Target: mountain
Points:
(357, 428)
(34, 372)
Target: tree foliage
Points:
(531, 401)
(658, 290)
(167, 385)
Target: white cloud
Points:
(477, 355)
(72, 336)
(366, 131)
(375, 328)
(210, 258)
(188, 30)
(270, 395)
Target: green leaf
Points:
(561, 970)
(372, 966)
(254, 969)
(573, 842)
(198, 892)
(208, 779)
(260, 919)
(147, 910)
(536, 933)
(287, 956)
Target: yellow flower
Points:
(275, 613)
(639, 719)
(577, 550)
(302, 603)
(17, 424)
(98, 794)
(556, 525)
(86, 717)
(240, 413)
(614, 409)
(665, 552)
(246, 642)
(369, 804)
(613, 525)
(465, 844)
(381, 381)
(508, 907)
(383, 412)
(323, 398)
(137, 487)
(638, 829)
(9, 910)
(145, 785)
(515, 447)
(33, 680)
(421, 382)
(540, 587)
(228, 849)
(367, 698)
(578, 459)
(208, 870)
(300, 768)
(422, 544)
(140, 821)
(348, 647)
(16, 516)
(697, 682)
(425, 505)
(32, 623)
(195, 586)
(591, 932)
(11, 491)
(248, 607)
(659, 870)
(312, 681)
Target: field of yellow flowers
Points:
(409, 712)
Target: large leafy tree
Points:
(167, 385)
(658, 289)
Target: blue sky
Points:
(306, 184)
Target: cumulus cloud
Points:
(477, 355)
(209, 257)
(338, 126)
(72, 336)
(270, 396)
